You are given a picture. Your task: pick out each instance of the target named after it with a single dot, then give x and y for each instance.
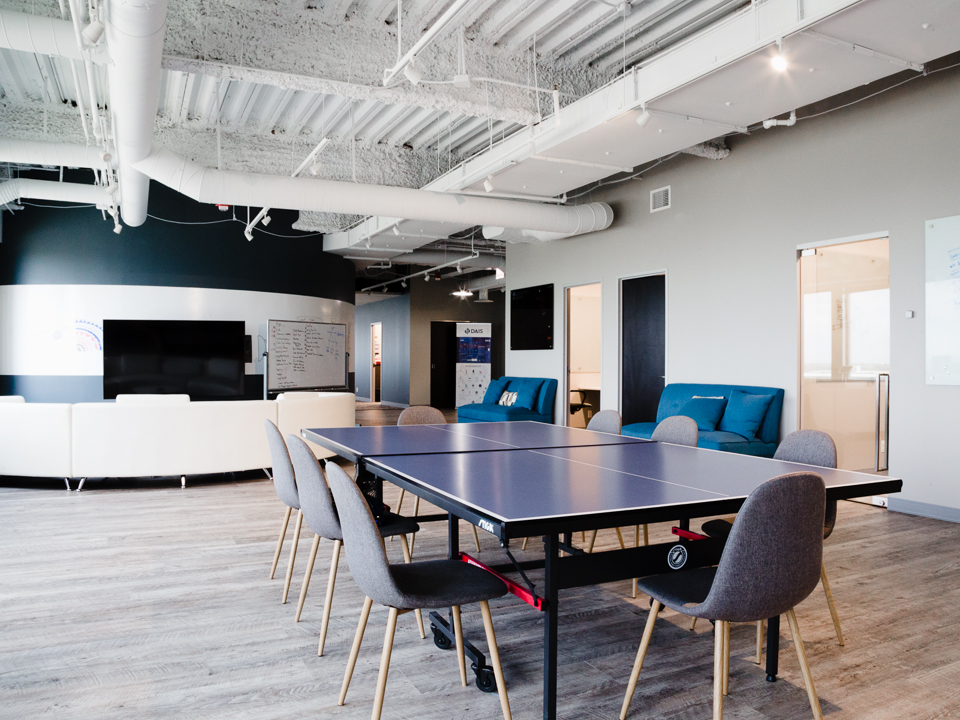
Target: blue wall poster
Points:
(473, 362)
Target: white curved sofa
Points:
(150, 435)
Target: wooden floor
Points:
(147, 601)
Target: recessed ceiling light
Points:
(728, 103)
(926, 26)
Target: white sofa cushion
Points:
(11, 398)
(299, 410)
(35, 439)
(131, 440)
(136, 399)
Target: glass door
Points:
(583, 316)
(845, 348)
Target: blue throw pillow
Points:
(527, 391)
(744, 413)
(494, 391)
(706, 411)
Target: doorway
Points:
(376, 342)
(583, 321)
(845, 348)
(443, 364)
(643, 346)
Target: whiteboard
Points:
(943, 301)
(306, 355)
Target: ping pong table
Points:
(526, 479)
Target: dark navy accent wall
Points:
(55, 245)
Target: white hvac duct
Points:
(490, 282)
(34, 34)
(13, 190)
(47, 153)
(514, 235)
(135, 38)
(235, 188)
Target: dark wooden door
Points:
(644, 326)
(443, 364)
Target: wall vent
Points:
(660, 199)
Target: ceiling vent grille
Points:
(660, 199)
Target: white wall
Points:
(57, 329)
(728, 247)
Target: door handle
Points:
(886, 430)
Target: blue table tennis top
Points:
(354, 443)
(529, 486)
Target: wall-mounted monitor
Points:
(201, 358)
(531, 318)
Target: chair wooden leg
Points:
(476, 538)
(833, 608)
(524, 546)
(407, 557)
(306, 576)
(759, 642)
(593, 539)
(458, 634)
(583, 536)
(693, 625)
(718, 670)
(641, 654)
(283, 534)
(355, 650)
(726, 658)
(400, 501)
(293, 556)
(328, 600)
(495, 659)
(646, 535)
(804, 666)
(384, 664)
(620, 538)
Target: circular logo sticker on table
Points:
(677, 557)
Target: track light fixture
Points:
(93, 32)
(462, 293)
(403, 283)
(384, 289)
(779, 62)
(644, 118)
(488, 183)
(412, 74)
(396, 230)
(459, 269)
(266, 220)
(426, 277)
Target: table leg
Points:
(453, 536)
(773, 648)
(550, 625)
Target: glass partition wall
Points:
(845, 348)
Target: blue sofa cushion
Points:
(744, 413)
(494, 391)
(640, 430)
(527, 391)
(705, 411)
(676, 395)
(497, 413)
(731, 442)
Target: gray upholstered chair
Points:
(811, 447)
(606, 421)
(771, 562)
(318, 510)
(677, 430)
(285, 484)
(425, 415)
(431, 584)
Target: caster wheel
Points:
(486, 681)
(440, 640)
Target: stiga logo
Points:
(677, 557)
(486, 525)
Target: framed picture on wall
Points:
(531, 318)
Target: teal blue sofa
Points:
(542, 410)
(676, 395)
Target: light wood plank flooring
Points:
(147, 601)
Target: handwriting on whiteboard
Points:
(306, 355)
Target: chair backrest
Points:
(812, 447)
(284, 481)
(421, 415)
(773, 554)
(606, 421)
(678, 430)
(362, 542)
(316, 502)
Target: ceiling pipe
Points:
(490, 282)
(435, 257)
(35, 34)
(424, 273)
(135, 37)
(13, 190)
(207, 185)
(28, 152)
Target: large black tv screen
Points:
(531, 318)
(201, 358)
